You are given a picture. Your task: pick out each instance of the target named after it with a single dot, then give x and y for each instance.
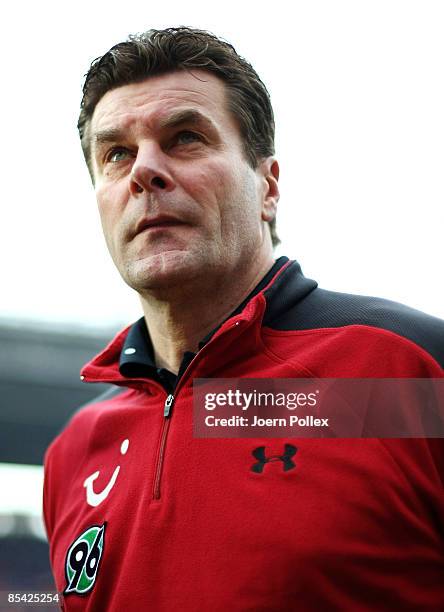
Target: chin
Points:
(164, 270)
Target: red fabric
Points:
(357, 525)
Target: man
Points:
(178, 132)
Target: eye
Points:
(115, 155)
(187, 137)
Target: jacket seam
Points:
(380, 330)
(280, 360)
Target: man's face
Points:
(177, 197)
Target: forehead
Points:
(155, 98)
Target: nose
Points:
(150, 172)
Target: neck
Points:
(178, 321)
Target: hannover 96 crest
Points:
(83, 560)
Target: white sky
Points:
(358, 92)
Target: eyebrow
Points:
(190, 116)
(107, 135)
(181, 117)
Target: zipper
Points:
(167, 412)
(167, 408)
(168, 405)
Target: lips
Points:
(158, 222)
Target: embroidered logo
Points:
(288, 463)
(83, 560)
(93, 498)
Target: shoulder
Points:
(72, 442)
(322, 309)
(68, 451)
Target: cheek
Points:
(208, 182)
(239, 206)
(197, 184)
(109, 214)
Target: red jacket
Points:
(142, 516)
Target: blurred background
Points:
(358, 95)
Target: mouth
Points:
(161, 225)
(157, 224)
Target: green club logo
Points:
(83, 559)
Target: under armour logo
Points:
(286, 458)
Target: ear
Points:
(269, 170)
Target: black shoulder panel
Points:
(321, 308)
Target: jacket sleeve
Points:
(47, 501)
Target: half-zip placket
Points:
(168, 411)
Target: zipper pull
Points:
(168, 405)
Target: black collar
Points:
(137, 355)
